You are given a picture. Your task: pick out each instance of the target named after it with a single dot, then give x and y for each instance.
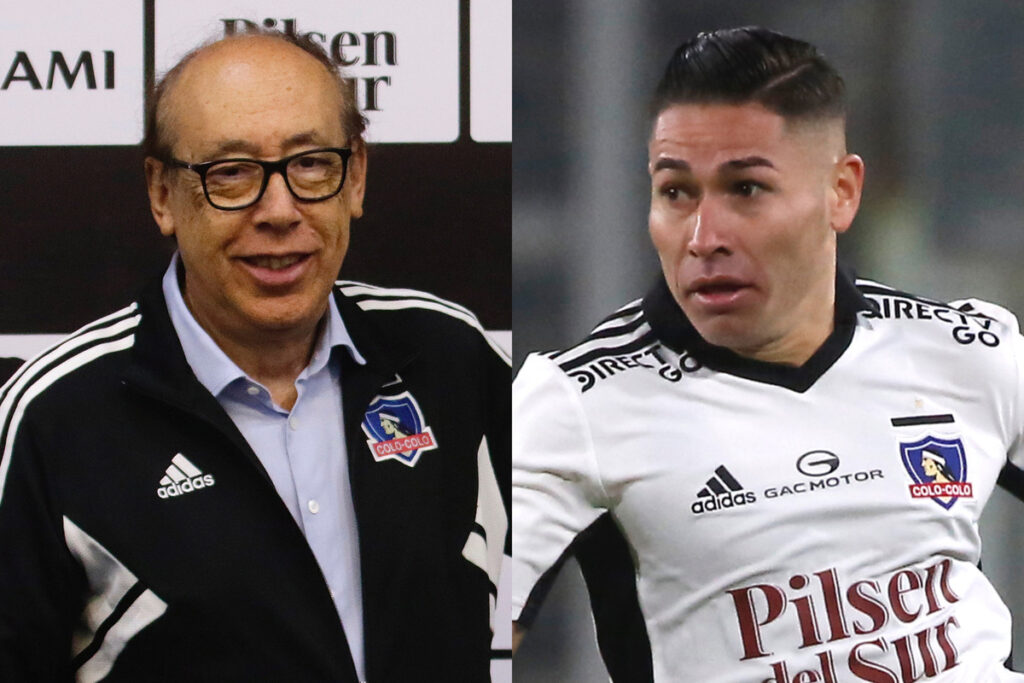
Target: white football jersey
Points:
(792, 525)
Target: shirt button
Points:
(332, 595)
(314, 506)
(293, 423)
(252, 391)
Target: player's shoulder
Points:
(624, 332)
(419, 315)
(967, 321)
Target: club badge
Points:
(395, 428)
(938, 468)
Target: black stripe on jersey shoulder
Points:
(624, 312)
(617, 324)
(616, 334)
(881, 290)
(607, 567)
(599, 333)
(616, 330)
(633, 345)
(51, 359)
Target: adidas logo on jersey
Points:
(722, 491)
(183, 477)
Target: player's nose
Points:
(710, 232)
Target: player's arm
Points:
(1011, 478)
(40, 583)
(556, 488)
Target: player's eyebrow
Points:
(670, 163)
(731, 165)
(747, 162)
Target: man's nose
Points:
(710, 233)
(278, 207)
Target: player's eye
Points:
(748, 188)
(674, 193)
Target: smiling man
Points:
(202, 486)
(755, 439)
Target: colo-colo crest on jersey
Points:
(395, 428)
(938, 468)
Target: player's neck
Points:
(814, 322)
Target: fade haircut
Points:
(786, 76)
(157, 141)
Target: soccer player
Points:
(762, 430)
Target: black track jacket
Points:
(101, 578)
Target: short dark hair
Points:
(752, 65)
(155, 142)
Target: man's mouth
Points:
(720, 293)
(275, 262)
(718, 288)
(712, 286)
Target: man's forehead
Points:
(239, 94)
(734, 137)
(250, 50)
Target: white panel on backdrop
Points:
(404, 54)
(490, 70)
(71, 72)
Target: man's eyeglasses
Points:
(232, 184)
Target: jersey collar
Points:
(674, 330)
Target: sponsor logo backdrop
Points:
(77, 239)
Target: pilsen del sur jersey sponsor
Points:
(849, 639)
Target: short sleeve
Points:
(1012, 477)
(556, 488)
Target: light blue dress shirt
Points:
(303, 450)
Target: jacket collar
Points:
(385, 350)
(159, 365)
(212, 367)
(674, 329)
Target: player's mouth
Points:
(719, 293)
(276, 270)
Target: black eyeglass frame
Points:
(269, 168)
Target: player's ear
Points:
(845, 191)
(159, 195)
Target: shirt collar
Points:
(675, 330)
(212, 367)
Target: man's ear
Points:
(355, 179)
(159, 195)
(845, 191)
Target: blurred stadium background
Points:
(936, 93)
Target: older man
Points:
(760, 428)
(202, 486)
